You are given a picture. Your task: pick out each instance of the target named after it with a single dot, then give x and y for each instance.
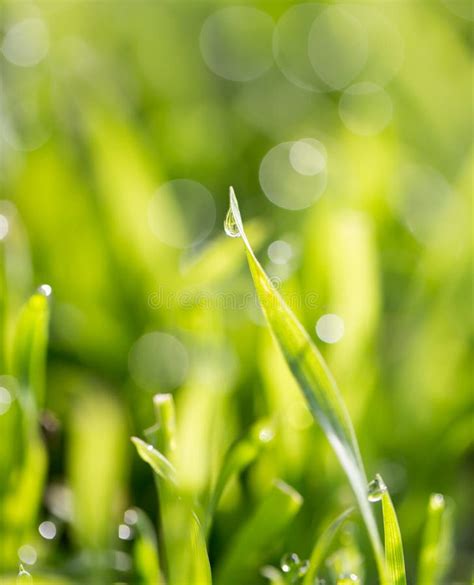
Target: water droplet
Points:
(44, 290)
(124, 532)
(230, 225)
(4, 227)
(47, 529)
(348, 579)
(23, 576)
(376, 489)
(290, 563)
(303, 568)
(266, 434)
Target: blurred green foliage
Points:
(103, 107)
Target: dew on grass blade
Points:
(47, 529)
(230, 225)
(376, 489)
(124, 532)
(44, 290)
(349, 579)
(23, 575)
(290, 562)
(4, 227)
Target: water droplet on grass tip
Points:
(376, 489)
(230, 225)
(4, 227)
(290, 562)
(23, 575)
(44, 290)
(47, 529)
(348, 579)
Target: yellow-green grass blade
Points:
(322, 545)
(29, 353)
(156, 460)
(239, 456)
(394, 558)
(145, 550)
(436, 547)
(183, 550)
(314, 379)
(247, 550)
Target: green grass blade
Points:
(393, 539)
(314, 379)
(182, 543)
(436, 548)
(156, 460)
(29, 353)
(247, 550)
(239, 456)
(322, 545)
(145, 551)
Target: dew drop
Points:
(4, 227)
(290, 563)
(348, 579)
(376, 489)
(23, 575)
(230, 225)
(303, 568)
(44, 290)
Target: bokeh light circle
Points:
(182, 213)
(330, 328)
(365, 109)
(26, 43)
(290, 46)
(281, 176)
(421, 198)
(236, 42)
(280, 252)
(337, 46)
(158, 361)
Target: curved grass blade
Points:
(29, 352)
(394, 559)
(322, 545)
(247, 550)
(145, 550)
(157, 461)
(436, 548)
(240, 455)
(314, 379)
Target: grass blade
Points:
(314, 379)
(156, 460)
(29, 353)
(247, 550)
(393, 539)
(437, 542)
(322, 546)
(240, 455)
(145, 550)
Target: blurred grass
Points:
(124, 102)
